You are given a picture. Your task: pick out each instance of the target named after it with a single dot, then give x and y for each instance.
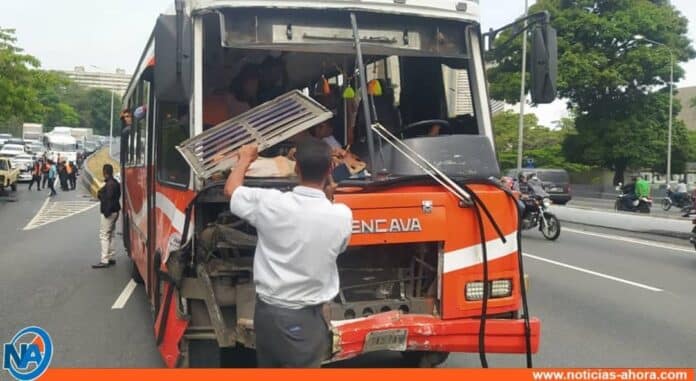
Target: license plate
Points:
(556, 189)
(387, 340)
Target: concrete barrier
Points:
(636, 223)
(91, 180)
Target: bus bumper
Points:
(429, 333)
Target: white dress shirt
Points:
(300, 235)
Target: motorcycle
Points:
(684, 204)
(537, 216)
(625, 202)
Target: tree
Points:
(541, 143)
(613, 82)
(18, 97)
(28, 94)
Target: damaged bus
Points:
(434, 264)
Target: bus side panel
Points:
(170, 206)
(135, 209)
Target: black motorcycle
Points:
(537, 216)
(627, 202)
(683, 203)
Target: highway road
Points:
(604, 300)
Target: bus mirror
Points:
(173, 58)
(544, 65)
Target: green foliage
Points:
(28, 94)
(610, 79)
(542, 144)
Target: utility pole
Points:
(639, 37)
(111, 124)
(523, 97)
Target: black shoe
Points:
(100, 265)
(112, 262)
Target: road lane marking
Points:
(633, 240)
(51, 212)
(125, 295)
(36, 217)
(597, 274)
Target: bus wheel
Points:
(420, 359)
(135, 274)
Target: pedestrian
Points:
(52, 173)
(62, 176)
(300, 235)
(44, 172)
(70, 170)
(36, 174)
(109, 198)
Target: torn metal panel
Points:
(266, 125)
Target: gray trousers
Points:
(287, 338)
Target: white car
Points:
(11, 150)
(24, 162)
(37, 149)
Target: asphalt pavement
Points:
(604, 300)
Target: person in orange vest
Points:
(36, 174)
(45, 168)
(72, 174)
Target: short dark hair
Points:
(314, 159)
(108, 169)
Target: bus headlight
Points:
(500, 288)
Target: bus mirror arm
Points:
(544, 53)
(518, 27)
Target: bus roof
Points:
(464, 10)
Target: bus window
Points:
(140, 123)
(173, 122)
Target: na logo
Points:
(29, 353)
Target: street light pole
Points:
(671, 102)
(523, 98)
(671, 105)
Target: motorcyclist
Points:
(629, 192)
(642, 188)
(680, 193)
(534, 189)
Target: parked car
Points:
(556, 182)
(4, 138)
(8, 174)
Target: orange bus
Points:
(425, 274)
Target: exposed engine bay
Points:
(219, 276)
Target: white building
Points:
(116, 82)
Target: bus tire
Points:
(135, 274)
(422, 359)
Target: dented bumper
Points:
(429, 333)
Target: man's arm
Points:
(247, 155)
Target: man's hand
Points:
(330, 188)
(248, 153)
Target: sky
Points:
(103, 35)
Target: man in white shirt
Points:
(300, 235)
